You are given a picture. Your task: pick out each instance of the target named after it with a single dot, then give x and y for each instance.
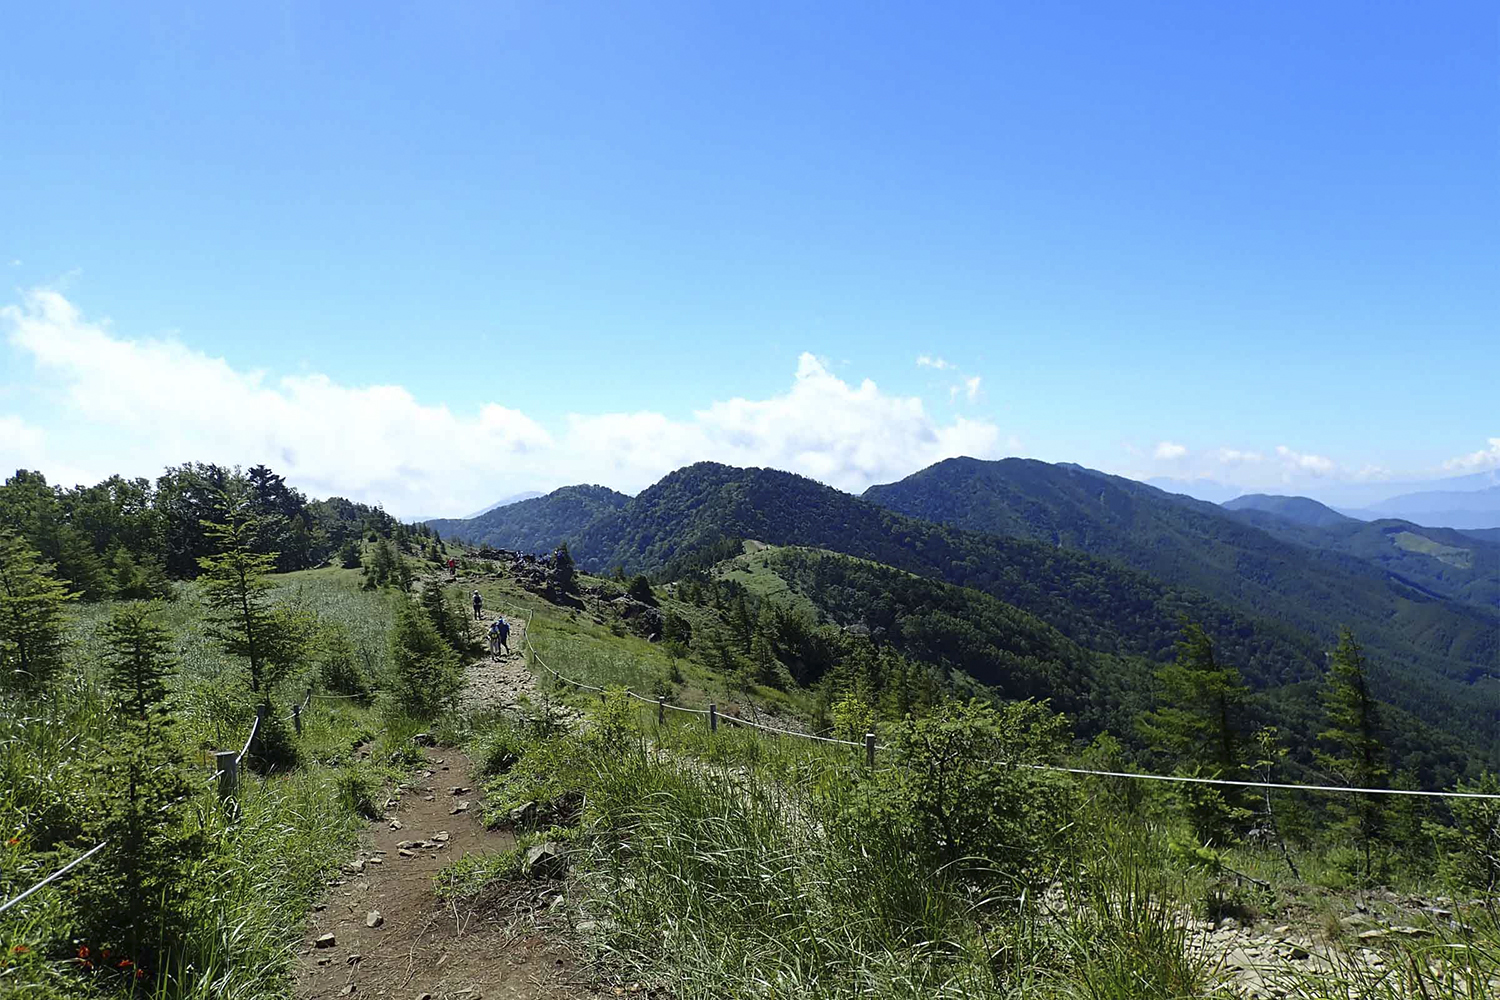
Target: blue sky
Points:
(435, 254)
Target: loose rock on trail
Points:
(382, 931)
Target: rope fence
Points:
(871, 747)
(226, 773)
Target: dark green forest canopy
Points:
(1275, 608)
(536, 525)
(93, 533)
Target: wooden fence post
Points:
(713, 717)
(661, 710)
(297, 718)
(869, 749)
(227, 763)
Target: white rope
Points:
(255, 726)
(1176, 778)
(791, 732)
(57, 874)
(1183, 779)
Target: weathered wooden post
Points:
(297, 718)
(661, 710)
(869, 749)
(713, 717)
(227, 763)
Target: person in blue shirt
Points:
(499, 637)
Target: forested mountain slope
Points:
(537, 524)
(1297, 509)
(1188, 543)
(1444, 562)
(1426, 653)
(1020, 656)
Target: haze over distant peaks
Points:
(1209, 490)
(515, 498)
(1299, 509)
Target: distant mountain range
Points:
(1469, 501)
(1109, 562)
(1451, 508)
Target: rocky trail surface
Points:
(382, 931)
(502, 683)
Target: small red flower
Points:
(125, 963)
(83, 951)
(12, 842)
(85, 965)
(139, 974)
(19, 949)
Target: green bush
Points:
(428, 677)
(964, 795)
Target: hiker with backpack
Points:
(478, 606)
(499, 637)
(452, 568)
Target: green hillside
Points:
(1198, 545)
(1441, 562)
(1277, 605)
(1298, 509)
(535, 525)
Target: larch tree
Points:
(1196, 723)
(32, 616)
(134, 898)
(1357, 757)
(241, 614)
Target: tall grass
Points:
(269, 856)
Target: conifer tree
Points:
(1196, 724)
(32, 619)
(382, 566)
(427, 675)
(240, 612)
(1358, 758)
(449, 625)
(133, 898)
(565, 572)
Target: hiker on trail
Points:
(499, 634)
(478, 606)
(452, 568)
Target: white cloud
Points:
(19, 438)
(971, 388)
(1234, 456)
(1170, 450)
(1484, 458)
(135, 406)
(1317, 465)
(928, 361)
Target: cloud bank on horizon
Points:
(135, 406)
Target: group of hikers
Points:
(499, 629)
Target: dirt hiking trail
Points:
(392, 937)
(497, 684)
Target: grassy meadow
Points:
(268, 858)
